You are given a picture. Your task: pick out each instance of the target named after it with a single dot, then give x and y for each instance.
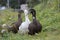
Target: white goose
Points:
(23, 28)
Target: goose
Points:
(16, 25)
(34, 26)
(23, 29)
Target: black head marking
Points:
(33, 12)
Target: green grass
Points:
(47, 14)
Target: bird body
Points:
(34, 26)
(23, 29)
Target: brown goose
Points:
(16, 25)
(34, 26)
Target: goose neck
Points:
(19, 16)
(26, 15)
(34, 18)
(26, 18)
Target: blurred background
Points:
(48, 14)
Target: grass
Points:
(47, 14)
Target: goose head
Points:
(33, 12)
(26, 12)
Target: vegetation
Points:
(16, 3)
(47, 13)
